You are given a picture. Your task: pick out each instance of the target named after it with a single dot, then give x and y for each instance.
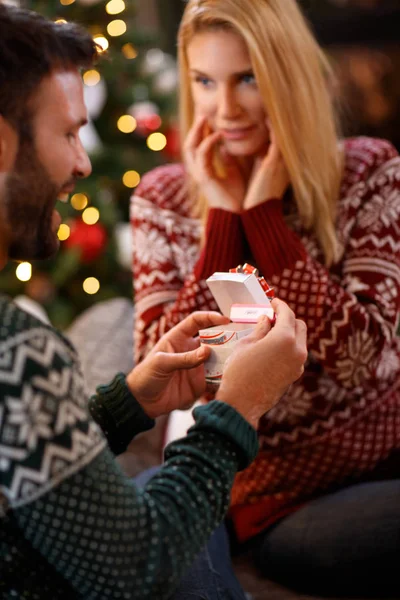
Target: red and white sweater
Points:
(342, 419)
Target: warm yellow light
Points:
(60, 21)
(79, 201)
(24, 271)
(91, 285)
(90, 216)
(102, 42)
(131, 179)
(114, 7)
(91, 77)
(129, 51)
(66, 2)
(126, 124)
(117, 27)
(63, 232)
(156, 141)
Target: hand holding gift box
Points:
(243, 297)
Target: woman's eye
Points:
(248, 78)
(205, 81)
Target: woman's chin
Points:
(245, 148)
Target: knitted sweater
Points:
(72, 525)
(342, 419)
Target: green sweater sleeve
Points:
(71, 503)
(118, 414)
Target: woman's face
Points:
(225, 91)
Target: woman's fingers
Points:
(204, 151)
(195, 134)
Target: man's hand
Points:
(264, 364)
(172, 374)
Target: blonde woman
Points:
(267, 180)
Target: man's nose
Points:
(83, 166)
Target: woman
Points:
(266, 180)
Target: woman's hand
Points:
(172, 374)
(225, 191)
(269, 179)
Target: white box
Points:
(240, 297)
(235, 288)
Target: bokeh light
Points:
(91, 285)
(79, 201)
(116, 27)
(131, 179)
(127, 124)
(24, 271)
(114, 7)
(91, 77)
(63, 232)
(91, 215)
(156, 141)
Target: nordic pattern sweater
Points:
(71, 524)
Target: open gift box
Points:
(241, 297)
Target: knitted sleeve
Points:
(118, 414)
(67, 497)
(169, 269)
(352, 317)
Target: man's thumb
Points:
(261, 329)
(183, 360)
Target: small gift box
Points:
(243, 297)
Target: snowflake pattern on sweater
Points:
(342, 419)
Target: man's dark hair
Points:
(31, 48)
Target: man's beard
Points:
(30, 199)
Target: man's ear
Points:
(8, 145)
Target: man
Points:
(72, 525)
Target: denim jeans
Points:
(345, 543)
(211, 576)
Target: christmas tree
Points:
(130, 97)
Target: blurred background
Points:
(131, 98)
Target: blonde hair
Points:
(293, 77)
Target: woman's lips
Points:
(237, 133)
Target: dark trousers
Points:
(342, 544)
(211, 576)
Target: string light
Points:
(114, 7)
(127, 124)
(91, 285)
(90, 216)
(131, 179)
(66, 2)
(79, 201)
(24, 271)
(63, 232)
(91, 77)
(129, 51)
(102, 42)
(156, 141)
(116, 28)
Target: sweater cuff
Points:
(223, 248)
(118, 413)
(274, 246)
(226, 421)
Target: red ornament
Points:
(90, 239)
(173, 147)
